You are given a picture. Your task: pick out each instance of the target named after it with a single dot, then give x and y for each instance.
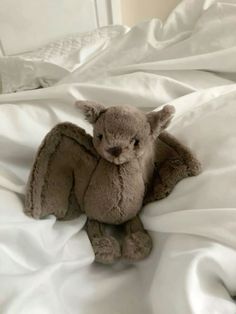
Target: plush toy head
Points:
(123, 133)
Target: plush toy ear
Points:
(90, 109)
(159, 120)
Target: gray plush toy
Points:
(129, 161)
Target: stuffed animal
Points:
(129, 161)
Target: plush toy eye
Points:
(135, 141)
(100, 136)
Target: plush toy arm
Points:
(174, 162)
(60, 173)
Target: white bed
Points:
(46, 266)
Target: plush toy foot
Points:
(136, 246)
(106, 249)
(137, 243)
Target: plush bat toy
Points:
(129, 161)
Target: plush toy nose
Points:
(115, 151)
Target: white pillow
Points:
(50, 63)
(18, 74)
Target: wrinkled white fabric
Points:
(194, 49)
(47, 266)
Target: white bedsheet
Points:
(46, 267)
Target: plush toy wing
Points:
(61, 173)
(174, 162)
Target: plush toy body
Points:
(129, 161)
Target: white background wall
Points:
(134, 11)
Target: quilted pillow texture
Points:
(47, 65)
